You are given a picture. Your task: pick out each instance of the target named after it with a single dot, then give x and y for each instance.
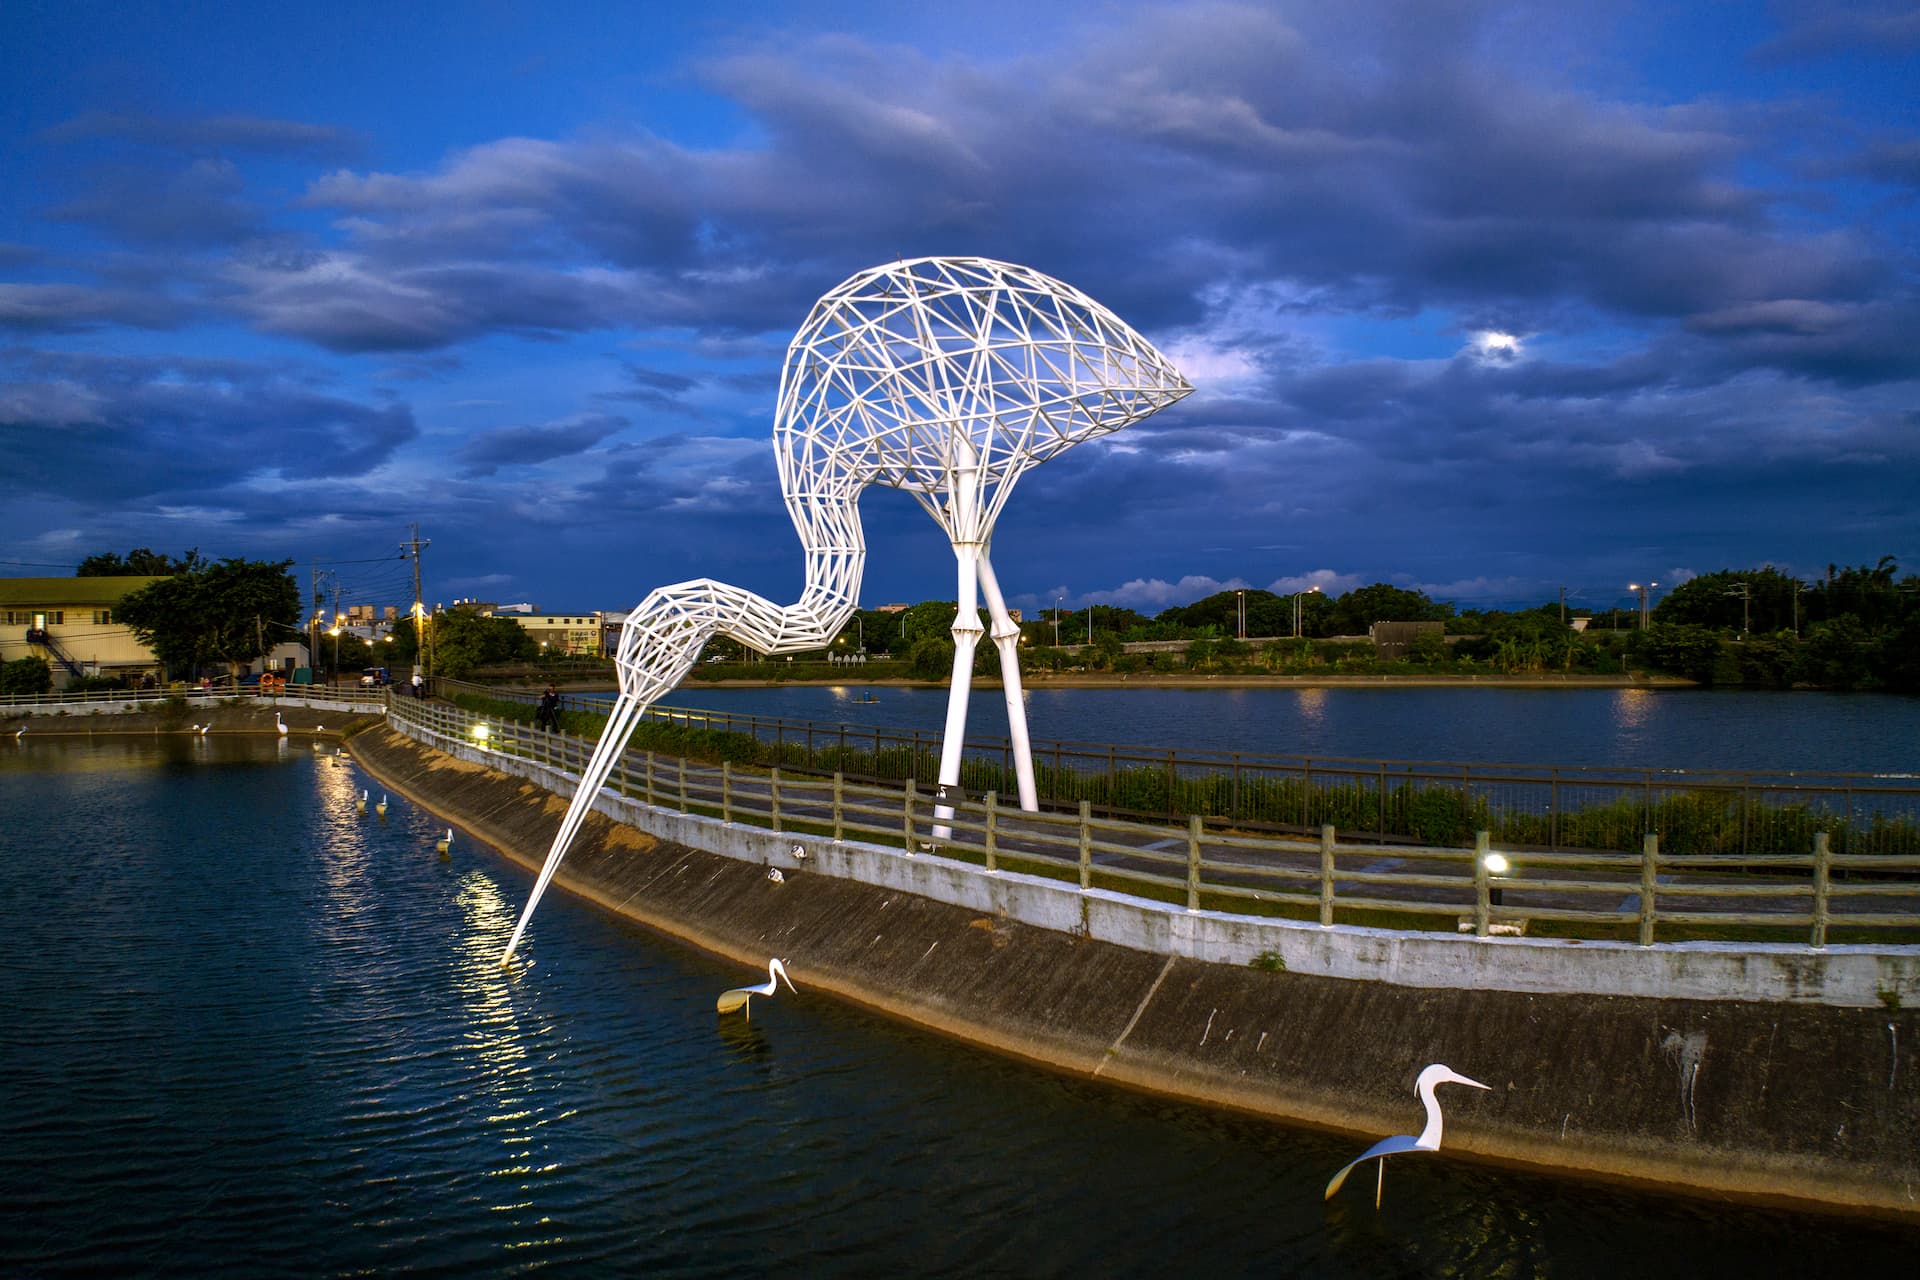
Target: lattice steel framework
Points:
(945, 377)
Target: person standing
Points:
(548, 716)
(419, 686)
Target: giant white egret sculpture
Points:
(1429, 1139)
(739, 996)
(945, 377)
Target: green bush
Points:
(26, 676)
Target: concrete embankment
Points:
(1802, 1103)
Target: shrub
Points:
(26, 676)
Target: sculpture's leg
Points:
(966, 638)
(626, 713)
(1006, 638)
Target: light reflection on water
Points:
(251, 1030)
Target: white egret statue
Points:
(445, 843)
(362, 805)
(381, 808)
(1429, 1139)
(945, 377)
(279, 724)
(739, 996)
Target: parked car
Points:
(376, 677)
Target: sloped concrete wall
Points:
(1806, 1103)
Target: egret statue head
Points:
(909, 371)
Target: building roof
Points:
(62, 592)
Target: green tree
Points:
(1761, 600)
(225, 612)
(931, 658)
(142, 562)
(26, 676)
(1360, 608)
(464, 640)
(1678, 650)
(1838, 654)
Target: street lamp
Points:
(1057, 602)
(1296, 609)
(1240, 598)
(1634, 586)
(863, 632)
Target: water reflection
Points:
(346, 1043)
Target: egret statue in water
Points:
(1429, 1139)
(945, 377)
(381, 808)
(445, 843)
(279, 724)
(739, 996)
(362, 805)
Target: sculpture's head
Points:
(895, 365)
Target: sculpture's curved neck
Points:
(1429, 1139)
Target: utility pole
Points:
(412, 547)
(1746, 606)
(313, 628)
(1563, 605)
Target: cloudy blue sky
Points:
(1481, 299)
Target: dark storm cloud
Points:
(202, 133)
(1878, 31)
(68, 308)
(1381, 165)
(524, 445)
(199, 204)
(106, 430)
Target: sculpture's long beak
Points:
(612, 742)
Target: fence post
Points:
(1649, 883)
(1193, 862)
(906, 810)
(1481, 885)
(839, 781)
(726, 791)
(1822, 874)
(773, 795)
(1326, 874)
(992, 803)
(1086, 843)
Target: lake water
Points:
(251, 1032)
(1642, 728)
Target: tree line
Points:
(1857, 627)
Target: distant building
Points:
(891, 608)
(70, 622)
(573, 634)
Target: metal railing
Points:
(1422, 802)
(1647, 895)
(109, 700)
